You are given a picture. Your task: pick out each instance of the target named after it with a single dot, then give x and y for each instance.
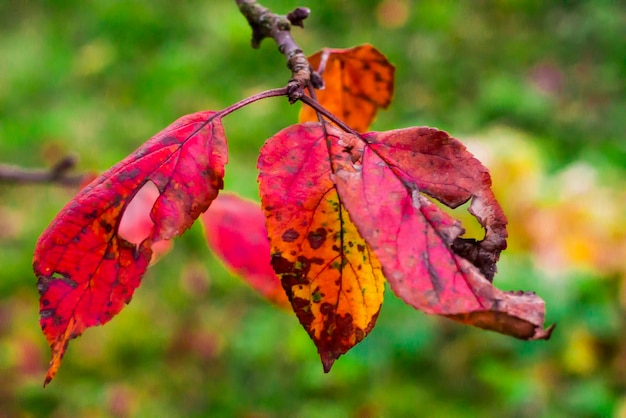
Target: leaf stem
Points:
(284, 91)
(266, 24)
(332, 117)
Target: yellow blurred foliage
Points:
(574, 219)
(94, 57)
(580, 356)
(620, 411)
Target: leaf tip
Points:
(328, 359)
(55, 363)
(543, 334)
(58, 346)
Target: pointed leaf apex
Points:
(543, 334)
(328, 359)
(55, 363)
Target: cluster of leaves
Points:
(344, 212)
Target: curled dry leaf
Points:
(332, 278)
(357, 82)
(385, 191)
(86, 270)
(236, 232)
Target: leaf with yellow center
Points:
(333, 280)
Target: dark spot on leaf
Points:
(42, 284)
(360, 248)
(106, 226)
(129, 174)
(287, 281)
(359, 334)
(117, 199)
(327, 309)
(435, 280)
(345, 326)
(302, 308)
(91, 215)
(280, 264)
(290, 235)
(46, 313)
(316, 238)
(303, 266)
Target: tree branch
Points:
(57, 174)
(266, 24)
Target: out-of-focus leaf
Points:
(235, 231)
(86, 268)
(357, 82)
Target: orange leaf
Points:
(235, 231)
(331, 276)
(86, 268)
(357, 82)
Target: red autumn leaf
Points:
(235, 231)
(427, 264)
(357, 82)
(332, 278)
(86, 269)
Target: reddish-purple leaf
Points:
(86, 268)
(424, 259)
(235, 231)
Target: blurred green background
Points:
(535, 89)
